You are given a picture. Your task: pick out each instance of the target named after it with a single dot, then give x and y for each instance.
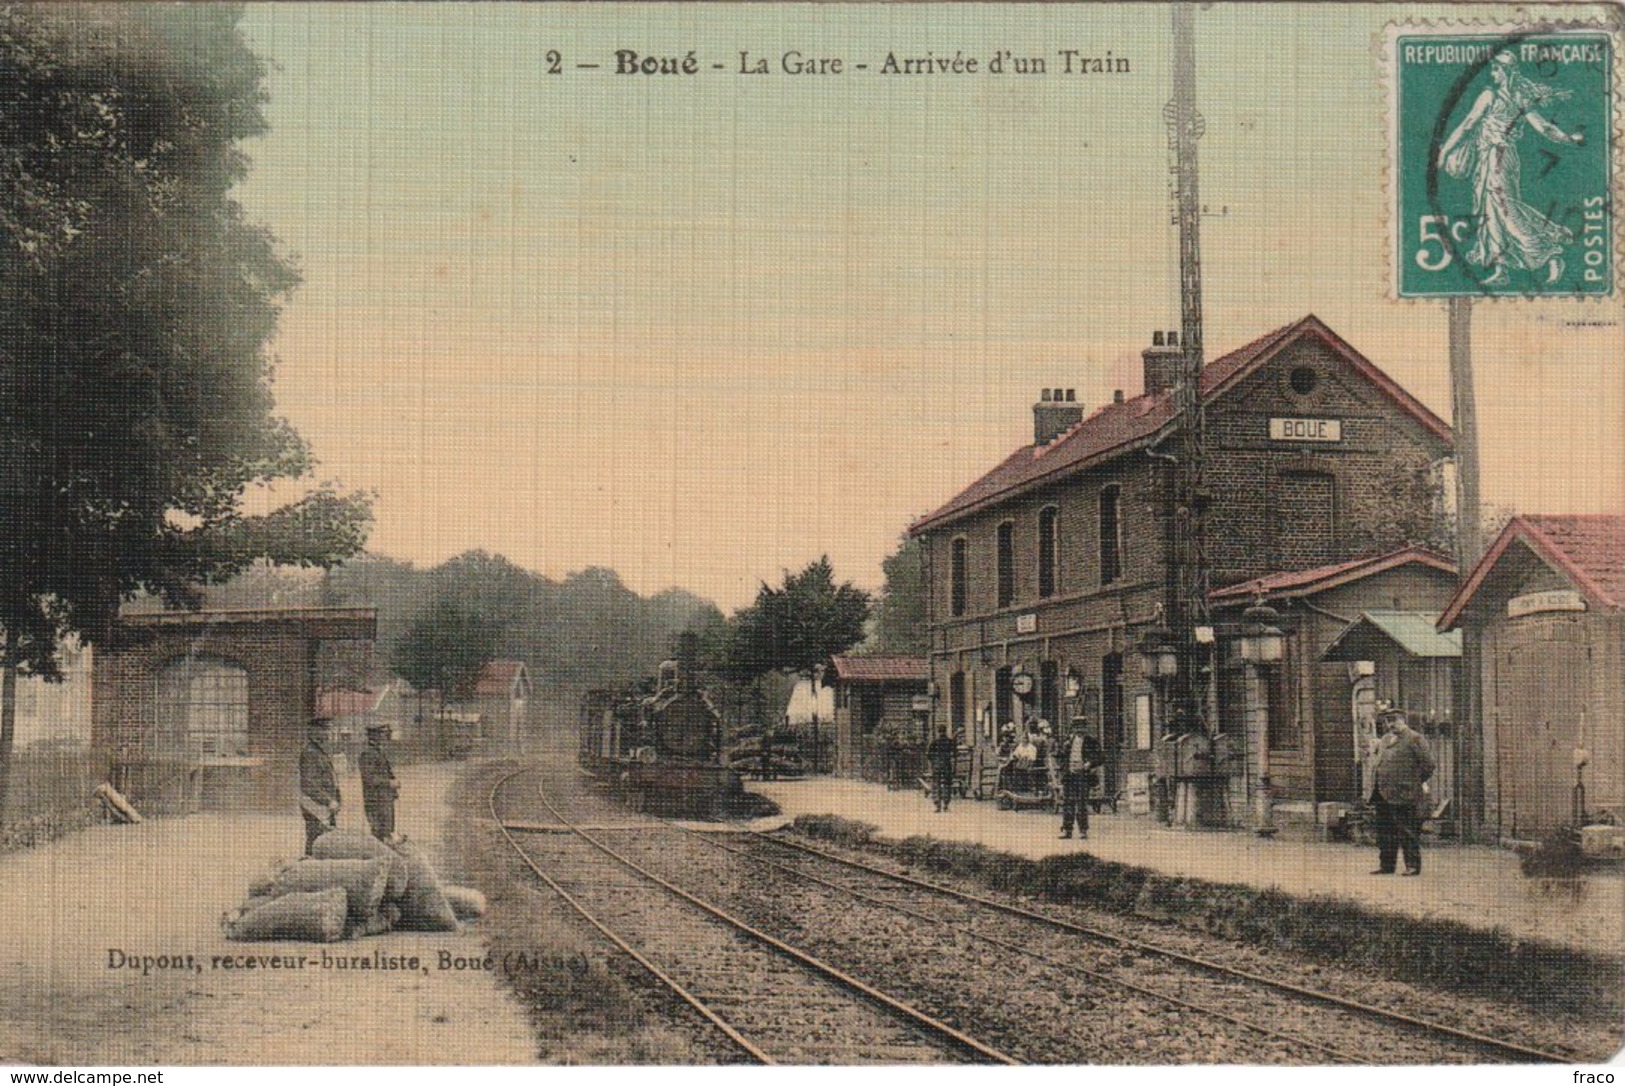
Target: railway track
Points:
(772, 1002)
(1181, 1004)
(881, 887)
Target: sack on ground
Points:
(355, 845)
(424, 906)
(312, 917)
(385, 919)
(467, 902)
(363, 882)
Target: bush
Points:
(49, 794)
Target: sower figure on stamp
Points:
(1485, 145)
(318, 787)
(1404, 764)
(379, 786)
(1079, 760)
(943, 752)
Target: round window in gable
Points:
(1304, 380)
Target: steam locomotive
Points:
(662, 749)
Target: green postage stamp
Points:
(1502, 155)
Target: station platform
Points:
(1475, 885)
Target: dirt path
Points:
(159, 889)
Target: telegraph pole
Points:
(1468, 700)
(1188, 606)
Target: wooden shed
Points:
(875, 709)
(1545, 604)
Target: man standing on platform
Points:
(943, 752)
(379, 787)
(1404, 764)
(318, 787)
(1079, 760)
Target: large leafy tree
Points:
(136, 303)
(797, 626)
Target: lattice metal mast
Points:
(1189, 604)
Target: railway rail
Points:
(1071, 956)
(1499, 1047)
(772, 1001)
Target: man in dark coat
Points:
(1404, 764)
(942, 752)
(318, 787)
(1079, 759)
(378, 784)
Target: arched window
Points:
(1048, 546)
(1111, 534)
(1007, 564)
(957, 575)
(203, 708)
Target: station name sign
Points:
(1306, 430)
(1534, 603)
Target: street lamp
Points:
(1262, 645)
(1159, 656)
(1262, 641)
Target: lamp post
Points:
(1262, 646)
(1159, 659)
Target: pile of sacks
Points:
(352, 884)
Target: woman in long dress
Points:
(1510, 232)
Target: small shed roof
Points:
(497, 677)
(878, 669)
(1414, 632)
(1588, 549)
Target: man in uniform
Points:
(943, 752)
(379, 787)
(1079, 758)
(318, 788)
(1403, 765)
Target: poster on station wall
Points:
(805, 534)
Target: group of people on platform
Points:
(1072, 763)
(319, 796)
(1401, 766)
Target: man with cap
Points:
(379, 787)
(943, 753)
(1403, 765)
(318, 787)
(1079, 758)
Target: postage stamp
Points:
(1501, 150)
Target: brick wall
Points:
(279, 661)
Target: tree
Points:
(135, 307)
(799, 625)
(900, 614)
(444, 649)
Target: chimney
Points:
(1056, 411)
(1163, 360)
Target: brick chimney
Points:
(1162, 362)
(1056, 411)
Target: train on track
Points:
(662, 748)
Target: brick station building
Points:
(1057, 561)
(201, 708)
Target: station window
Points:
(957, 706)
(1007, 564)
(1048, 545)
(957, 576)
(1111, 534)
(203, 708)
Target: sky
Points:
(703, 329)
